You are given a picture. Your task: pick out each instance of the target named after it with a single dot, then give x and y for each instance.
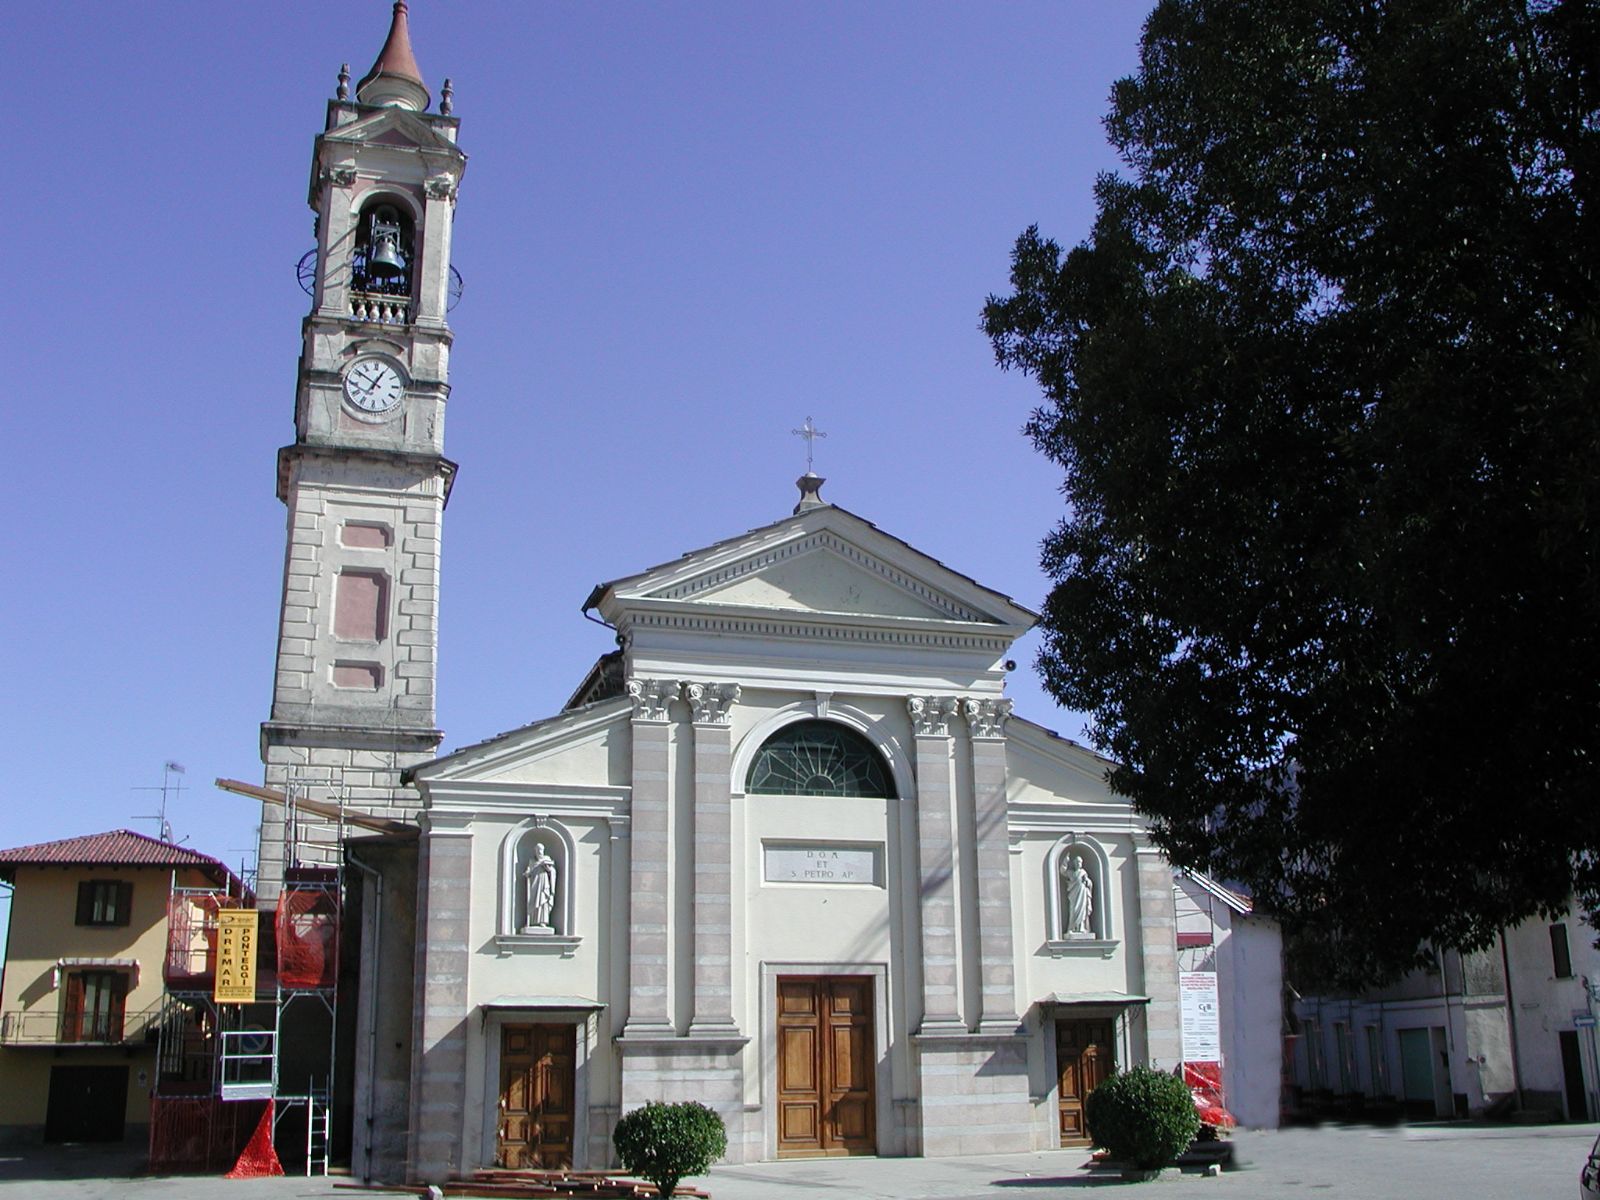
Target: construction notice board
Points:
(1202, 1016)
(236, 956)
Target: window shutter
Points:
(72, 1015)
(1560, 953)
(119, 1003)
(86, 902)
(124, 903)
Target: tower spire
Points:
(395, 78)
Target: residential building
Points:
(80, 999)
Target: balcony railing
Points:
(47, 1027)
(385, 310)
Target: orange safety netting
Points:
(196, 1133)
(308, 938)
(258, 1158)
(1204, 1081)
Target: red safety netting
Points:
(1204, 1081)
(258, 1158)
(198, 1133)
(308, 938)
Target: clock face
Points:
(373, 386)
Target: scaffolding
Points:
(219, 1064)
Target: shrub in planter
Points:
(1143, 1118)
(665, 1142)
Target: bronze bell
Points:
(385, 257)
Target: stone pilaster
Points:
(1158, 953)
(974, 1094)
(713, 858)
(649, 1012)
(986, 719)
(930, 718)
(439, 1044)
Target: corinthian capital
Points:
(712, 702)
(987, 718)
(930, 715)
(651, 698)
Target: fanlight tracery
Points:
(819, 758)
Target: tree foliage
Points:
(1323, 382)
(664, 1142)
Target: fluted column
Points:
(930, 718)
(986, 720)
(713, 858)
(649, 1011)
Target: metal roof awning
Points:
(1067, 999)
(541, 1004)
(131, 965)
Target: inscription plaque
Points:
(819, 862)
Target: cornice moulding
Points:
(768, 623)
(1035, 816)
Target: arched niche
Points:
(1071, 854)
(548, 845)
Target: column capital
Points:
(712, 702)
(930, 715)
(986, 718)
(652, 697)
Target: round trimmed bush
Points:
(665, 1142)
(1142, 1117)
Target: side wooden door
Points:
(1084, 1057)
(536, 1096)
(826, 1067)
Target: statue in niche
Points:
(539, 878)
(1079, 894)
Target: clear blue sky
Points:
(683, 228)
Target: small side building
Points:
(80, 999)
(1503, 1030)
(1221, 935)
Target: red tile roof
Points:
(117, 848)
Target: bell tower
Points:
(365, 481)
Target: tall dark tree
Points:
(1325, 384)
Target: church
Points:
(786, 850)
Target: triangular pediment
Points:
(391, 127)
(824, 562)
(821, 574)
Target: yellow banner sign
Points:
(236, 956)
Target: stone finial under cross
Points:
(811, 433)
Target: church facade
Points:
(789, 853)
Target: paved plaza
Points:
(1419, 1162)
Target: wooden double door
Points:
(537, 1065)
(1084, 1058)
(826, 1065)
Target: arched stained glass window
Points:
(819, 758)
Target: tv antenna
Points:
(170, 790)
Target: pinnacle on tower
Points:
(395, 78)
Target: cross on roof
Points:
(811, 433)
